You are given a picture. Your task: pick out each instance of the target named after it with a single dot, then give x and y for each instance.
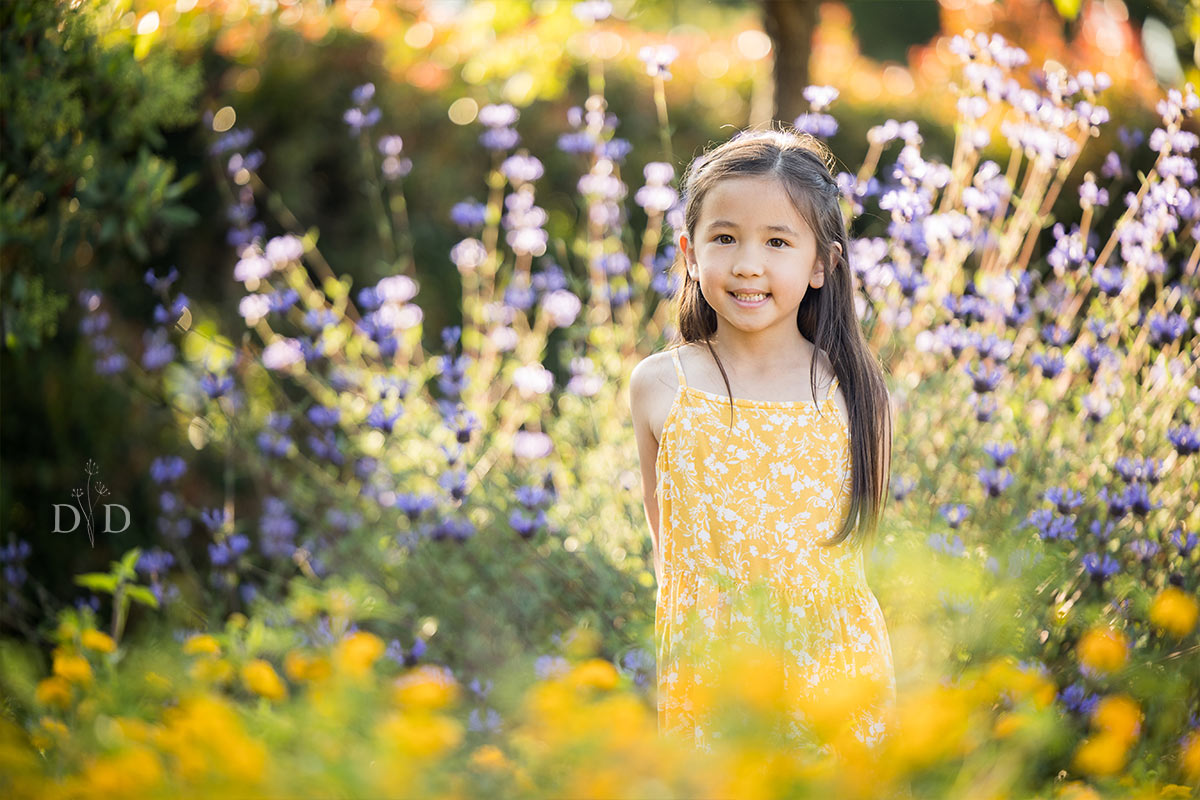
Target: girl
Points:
(759, 516)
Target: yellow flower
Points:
(53, 691)
(489, 757)
(260, 677)
(426, 687)
(1076, 790)
(1190, 756)
(201, 644)
(72, 667)
(1103, 650)
(301, 666)
(356, 653)
(100, 642)
(1007, 724)
(1101, 755)
(123, 774)
(421, 734)
(216, 670)
(1174, 611)
(49, 733)
(1175, 790)
(595, 672)
(1118, 715)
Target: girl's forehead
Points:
(762, 199)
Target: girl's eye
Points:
(719, 236)
(777, 239)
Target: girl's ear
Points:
(818, 276)
(689, 256)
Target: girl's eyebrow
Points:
(724, 223)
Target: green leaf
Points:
(97, 582)
(128, 562)
(141, 594)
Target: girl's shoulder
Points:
(653, 385)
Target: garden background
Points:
(321, 315)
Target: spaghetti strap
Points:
(678, 366)
(832, 389)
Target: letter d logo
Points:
(58, 522)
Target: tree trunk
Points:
(790, 24)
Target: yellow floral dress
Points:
(742, 514)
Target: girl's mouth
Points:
(754, 301)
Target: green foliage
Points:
(81, 181)
(120, 582)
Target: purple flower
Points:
(324, 417)
(155, 562)
(224, 552)
(1064, 500)
(1100, 568)
(822, 125)
(216, 385)
(167, 469)
(522, 169)
(592, 10)
(658, 58)
(277, 529)
(158, 351)
(282, 353)
(357, 120)
(954, 513)
(469, 214)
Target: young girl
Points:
(760, 496)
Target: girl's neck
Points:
(764, 359)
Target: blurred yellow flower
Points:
(123, 774)
(205, 739)
(53, 691)
(1174, 790)
(201, 644)
(100, 642)
(1008, 723)
(72, 667)
(1118, 715)
(933, 725)
(134, 729)
(356, 653)
(1103, 650)
(216, 670)
(1174, 611)
(489, 757)
(1101, 755)
(425, 687)
(260, 677)
(300, 666)
(1077, 790)
(1190, 756)
(596, 673)
(48, 733)
(420, 733)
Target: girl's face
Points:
(750, 238)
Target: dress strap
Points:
(678, 366)
(832, 388)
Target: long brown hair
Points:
(827, 315)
